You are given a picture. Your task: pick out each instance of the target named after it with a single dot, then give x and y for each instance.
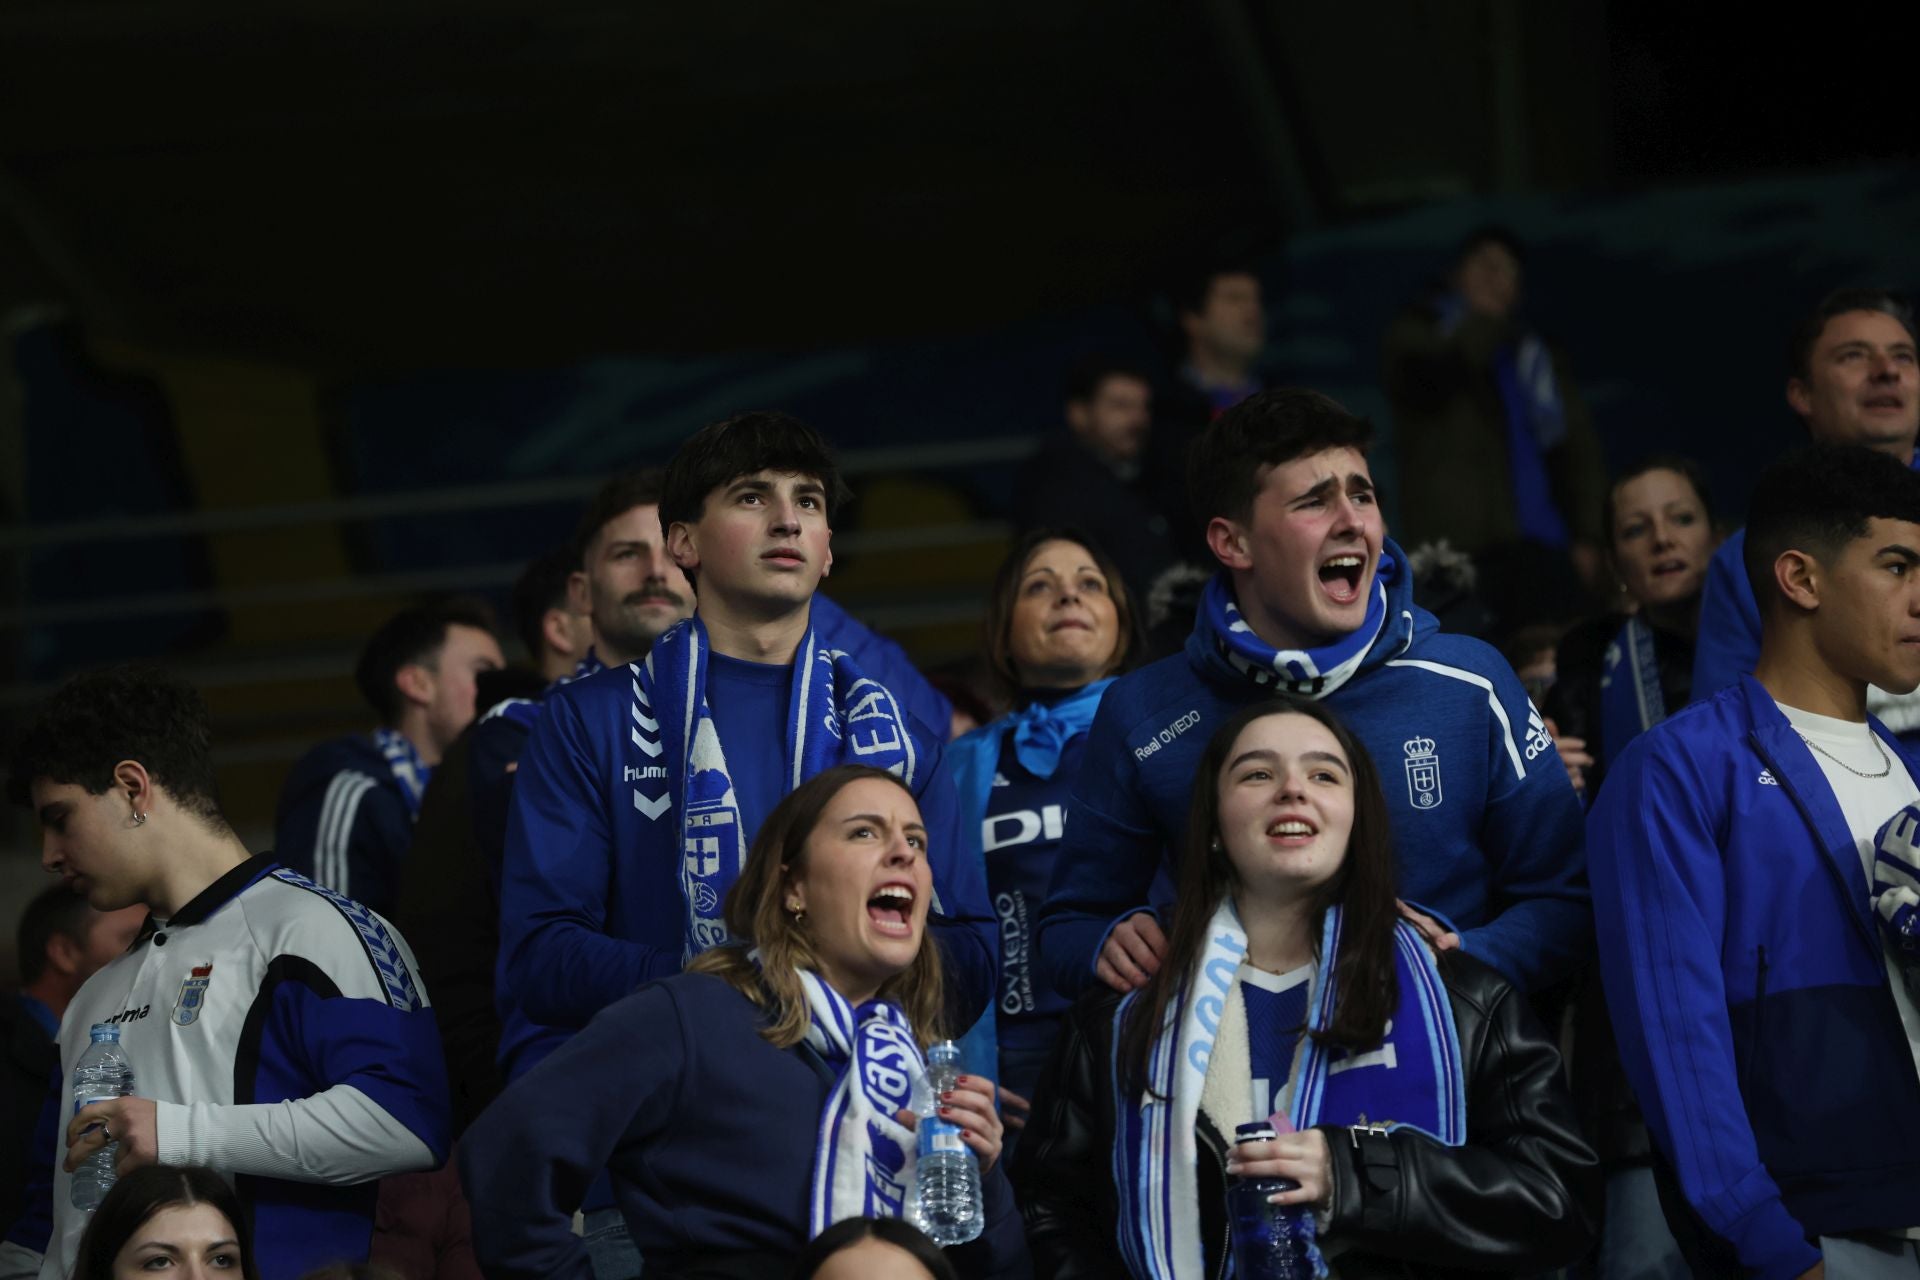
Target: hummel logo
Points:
(1767, 779)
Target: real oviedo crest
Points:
(1423, 773)
(193, 994)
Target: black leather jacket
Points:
(1521, 1196)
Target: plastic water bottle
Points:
(103, 1072)
(946, 1173)
(1270, 1241)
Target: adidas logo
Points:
(1000, 779)
(1767, 779)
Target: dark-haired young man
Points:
(1312, 598)
(277, 1031)
(556, 634)
(1852, 378)
(346, 813)
(1777, 1064)
(641, 788)
(62, 943)
(1090, 476)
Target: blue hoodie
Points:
(1486, 827)
(343, 823)
(1747, 985)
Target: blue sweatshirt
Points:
(343, 822)
(590, 898)
(1486, 827)
(709, 1132)
(1747, 986)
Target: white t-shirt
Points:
(1841, 747)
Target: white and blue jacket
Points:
(1746, 983)
(1486, 827)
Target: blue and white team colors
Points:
(286, 1039)
(1487, 830)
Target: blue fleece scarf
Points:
(1223, 641)
(1630, 698)
(1041, 732)
(1896, 890)
(404, 762)
(835, 715)
(1156, 1154)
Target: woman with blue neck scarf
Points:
(1419, 1105)
(1059, 627)
(748, 1104)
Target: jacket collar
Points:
(216, 895)
(1785, 754)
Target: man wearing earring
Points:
(277, 1031)
(1731, 856)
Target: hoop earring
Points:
(139, 818)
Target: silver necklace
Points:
(1886, 765)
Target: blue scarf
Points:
(1896, 890)
(1041, 732)
(1630, 698)
(835, 715)
(1157, 1151)
(1223, 642)
(404, 762)
(863, 1158)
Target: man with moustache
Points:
(1853, 380)
(1313, 599)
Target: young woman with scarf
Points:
(1621, 675)
(748, 1104)
(1425, 1119)
(1059, 626)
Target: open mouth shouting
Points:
(1341, 575)
(891, 909)
(1884, 402)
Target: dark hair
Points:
(996, 628)
(851, 1231)
(354, 1271)
(722, 452)
(639, 488)
(1817, 500)
(1089, 373)
(1806, 336)
(1482, 236)
(1194, 285)
(137, 1196)
(54, 912)
(756, 914)
(1364, 888)
(131, 712)
(540, 589)
(1686, 468)
(1267, 429)
(412, 637)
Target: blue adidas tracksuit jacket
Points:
(343, 823)
(1486, 827)
(1747, 986)
(590, 898)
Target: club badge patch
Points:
(1423, 773)
(193, 994)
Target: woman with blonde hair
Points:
(747, 1105)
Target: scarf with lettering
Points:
(1896, 890)
(835, 716)
(863, 1158)
(1157, 1150)
(1222, 641)
(404, 762)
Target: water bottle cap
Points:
(946, 1052)
(105, 1031)
(1257, 1131)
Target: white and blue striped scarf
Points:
(404, 762)
(1415, 1082)
(863, 1158)
(1223, 641)
(835, 716)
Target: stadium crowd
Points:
(1553, 885)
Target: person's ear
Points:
(828, 567)
(415, 683)
(1228, 541)
(579, 593)
(65, 956)
(1800, 397)
(1079, 417)
(1797, 574)
(683, 547)
(132, 780)
(556, 629)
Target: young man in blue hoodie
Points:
(1776, 1062)
(640, 788)
(1312, 598)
